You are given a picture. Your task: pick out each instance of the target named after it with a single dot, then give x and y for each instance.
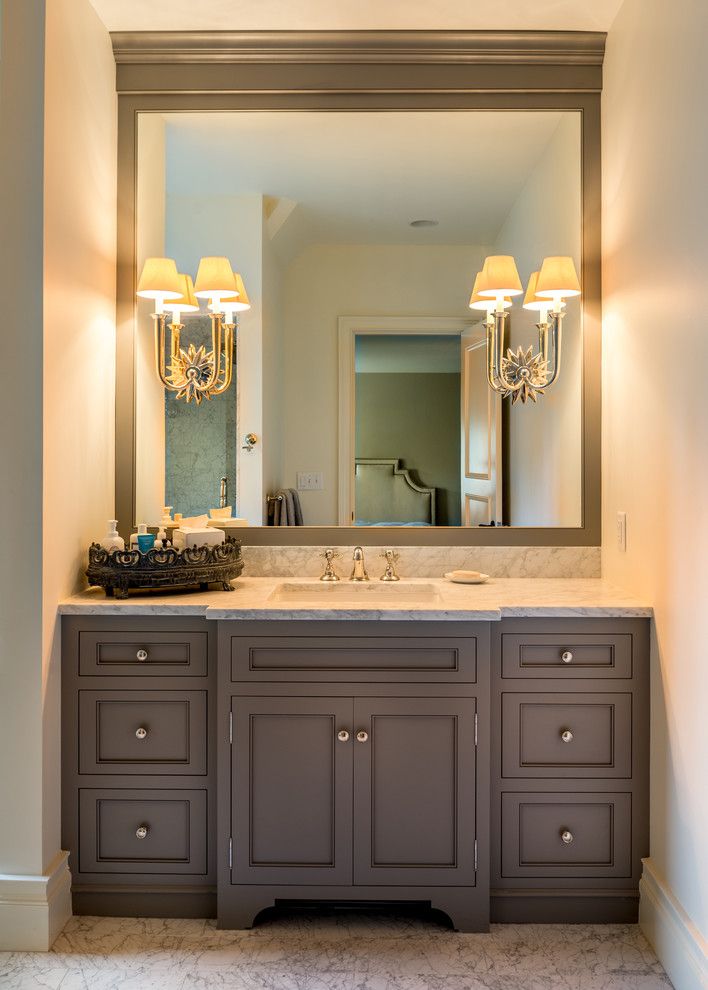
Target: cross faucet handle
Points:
(391, 557)
(329, 574)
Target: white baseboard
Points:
(34, 909)
(682, 950)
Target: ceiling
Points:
(354, 15)
(361, 178)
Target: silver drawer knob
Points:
(343, 735)
(566, 836)
(142, 655)
(141, 832)
(566, 735)
(141, 732)
(567, 656)
(362, 735)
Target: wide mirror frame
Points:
(358, 72)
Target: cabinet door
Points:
(291, 790)
(414, 791)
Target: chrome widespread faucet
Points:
(359, 570)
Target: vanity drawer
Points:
(353, 658)
(143, 732)
(566, 835)
(111, 837)
(566, 735)
(147, 653)
(567, 656)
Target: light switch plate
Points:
(622, 531)
(310, 481)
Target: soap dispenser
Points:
(112, 540)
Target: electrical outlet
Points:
(310, 481)
(622, 531)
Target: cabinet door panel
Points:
(292, 787)
(414, 786)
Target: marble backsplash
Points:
(501, 562)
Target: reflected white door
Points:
(481, 462)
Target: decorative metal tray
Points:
(120, 571)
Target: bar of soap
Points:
(188, 537)
(467, 577)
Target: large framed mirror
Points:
(360, 371)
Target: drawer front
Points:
(353, 658)
(566, 735)
(143, 732)
(142, 831)
(143, 654)
(567, 656)
(566, 835)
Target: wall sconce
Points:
(523, 375)
(194, 373)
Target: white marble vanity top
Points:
(422, 598)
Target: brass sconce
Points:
(194, 373)
(523, 374)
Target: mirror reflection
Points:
(352, 384)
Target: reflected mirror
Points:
(360, 371)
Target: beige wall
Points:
(21, 170)
(328, 281)
(79, 329)
(655, 457)
(545, 439)
(57, 173)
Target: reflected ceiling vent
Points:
(424, 223)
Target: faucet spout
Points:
(359, 570)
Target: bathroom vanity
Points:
(483, 751)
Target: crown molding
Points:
(360, 47)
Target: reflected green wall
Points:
(415, 417)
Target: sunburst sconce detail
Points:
(193, 373)
(523, 374)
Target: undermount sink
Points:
(367, 593)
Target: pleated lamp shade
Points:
(215, 279)
(483, 302)
(159, 280)
(557, 279)
(240, 301)
(187, 302)
(501, 277)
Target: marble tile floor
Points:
(335, 950)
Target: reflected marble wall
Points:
(200, 441)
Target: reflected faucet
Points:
(223, 493)
(359, 571)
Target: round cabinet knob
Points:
(141, 832)
(142, 655)
(362, 735)
(567, 656)
(343, 735)
(566, 735)
(566, 836)
(141, 732)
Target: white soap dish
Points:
(467, 577)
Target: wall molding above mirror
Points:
(364, 71)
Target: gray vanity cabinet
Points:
(570, 768)
(356, 767)
(488, 769)
(139, 764)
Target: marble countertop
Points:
(260, 598)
